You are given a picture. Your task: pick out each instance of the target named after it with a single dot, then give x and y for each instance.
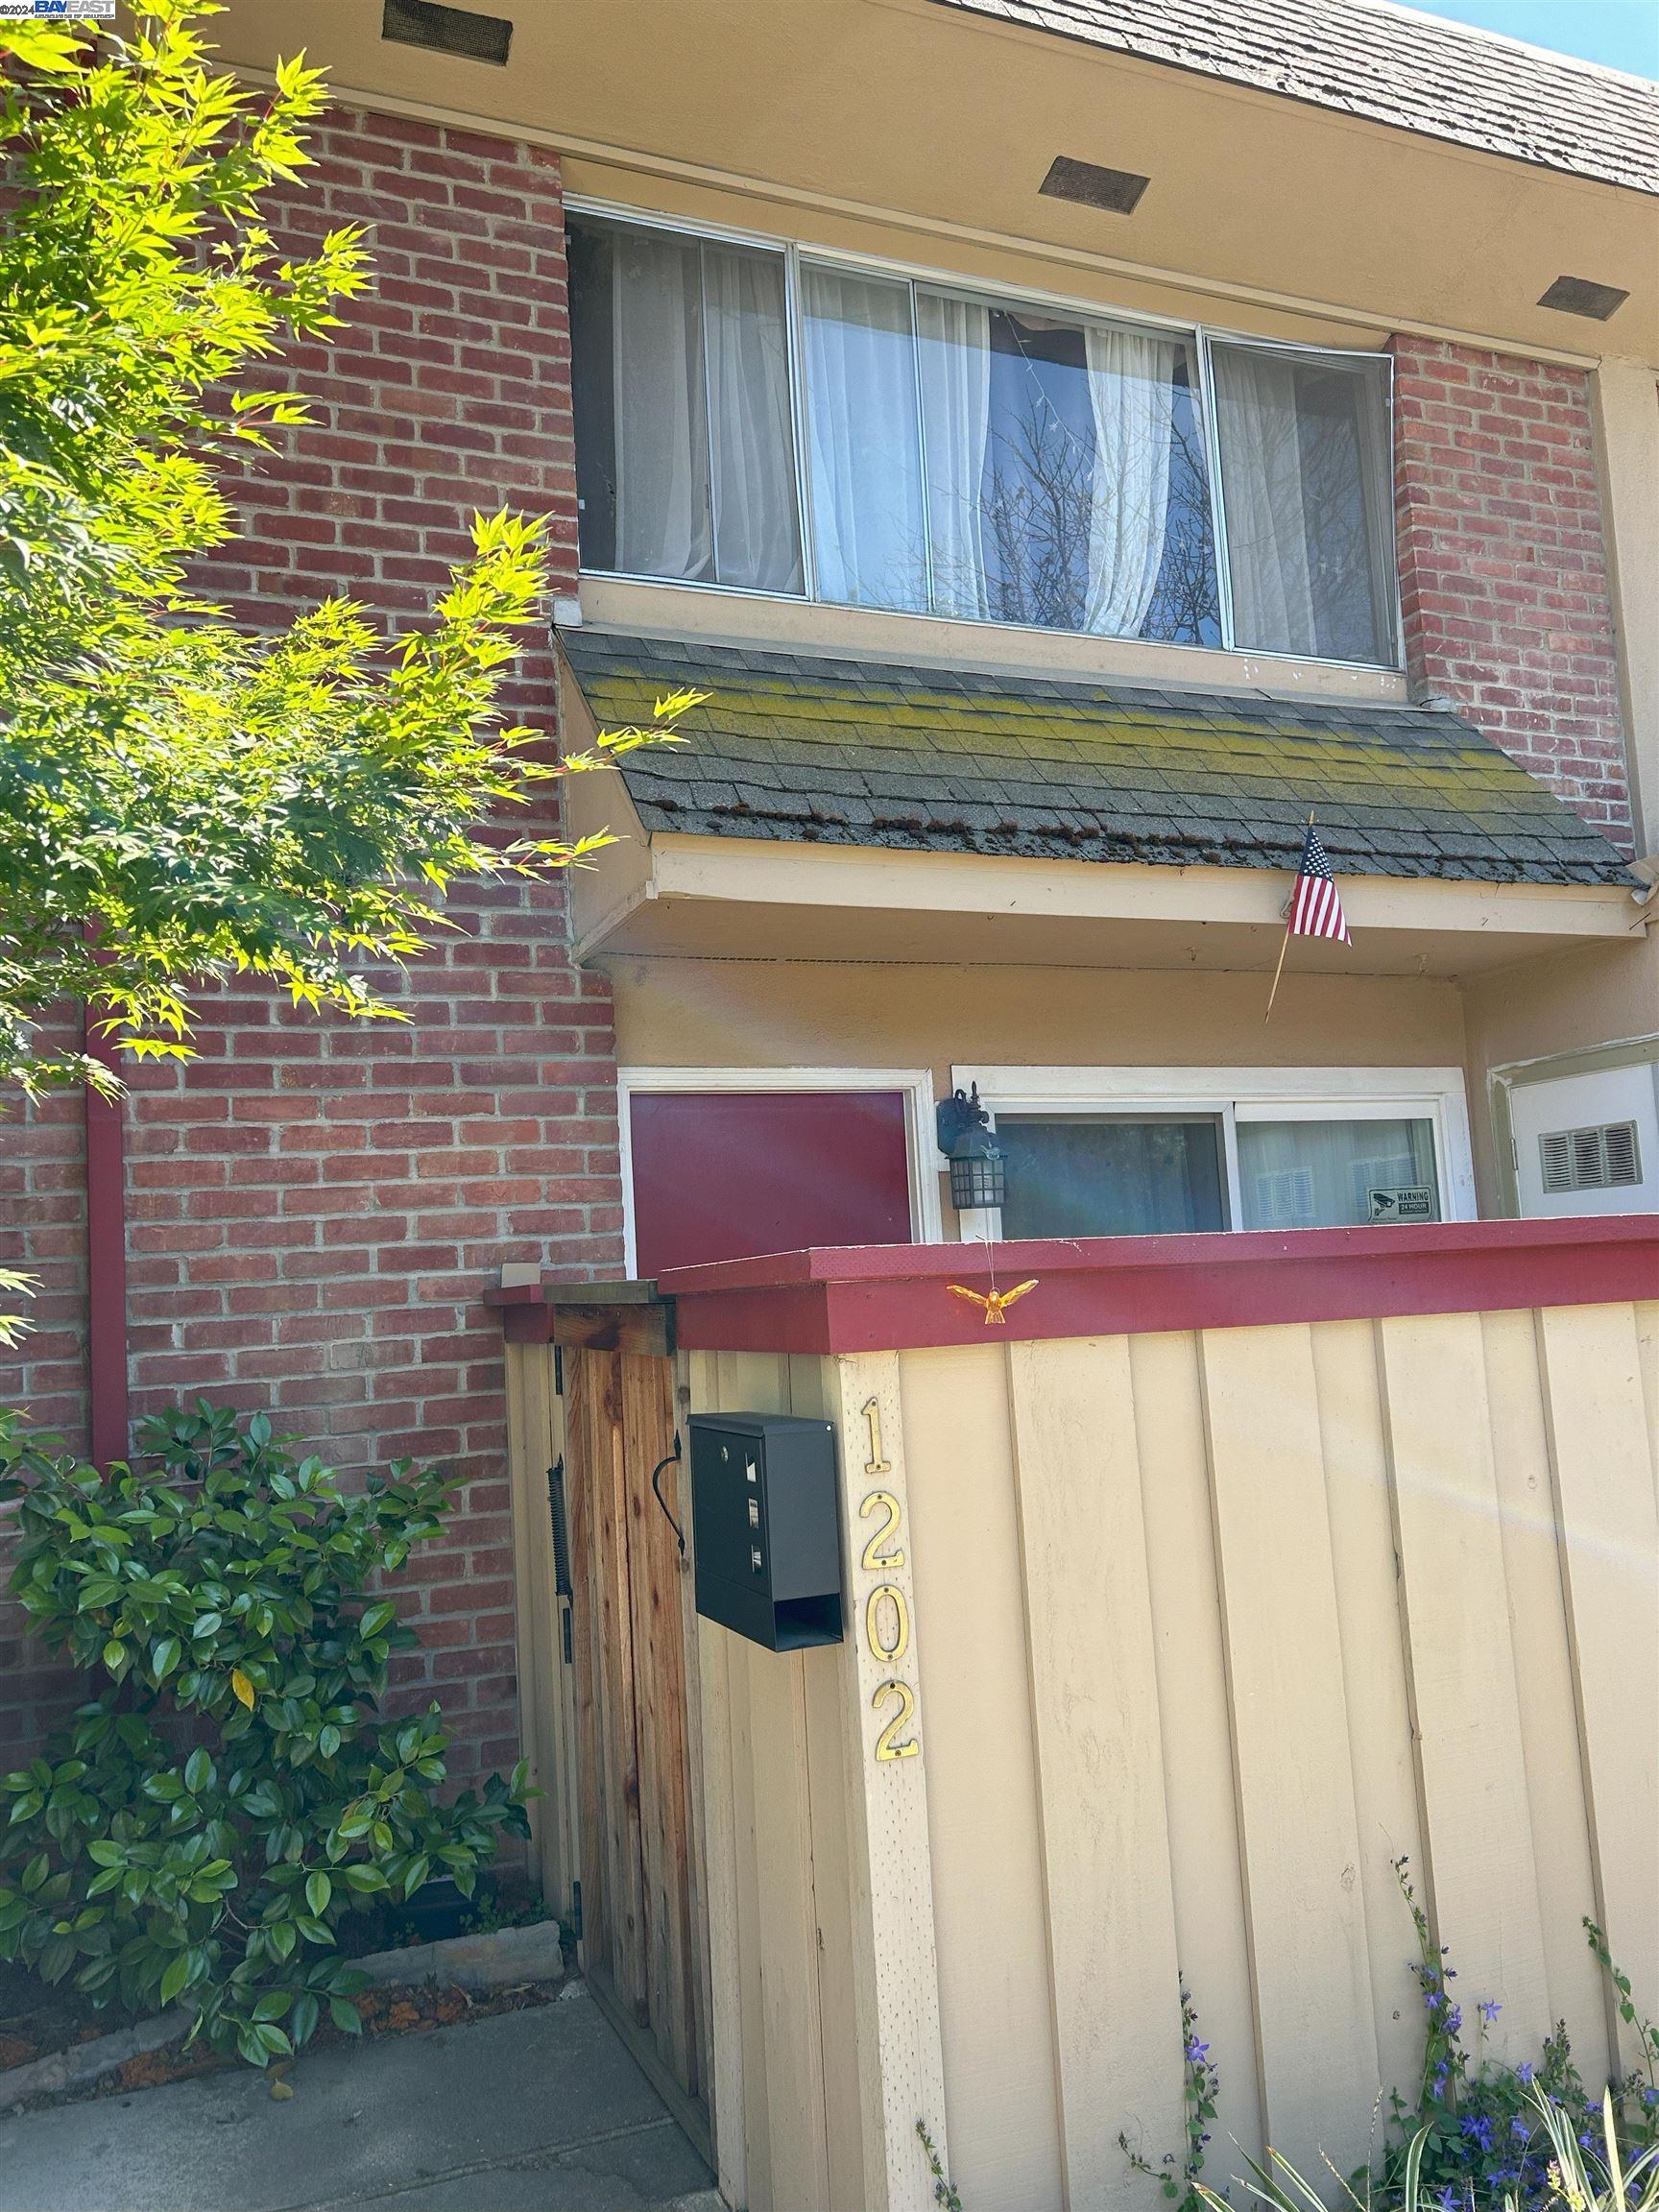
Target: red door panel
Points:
(728, 1175)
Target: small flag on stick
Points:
(1315, 905)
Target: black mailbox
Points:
(768, 1545)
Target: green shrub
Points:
(200, 1830)
(1476, 2134)
(1580, 2169)
(1474, 2122)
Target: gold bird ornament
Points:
(994, 1304)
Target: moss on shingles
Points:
(787, 746)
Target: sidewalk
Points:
(535, 2112)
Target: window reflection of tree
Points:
(1037, 494)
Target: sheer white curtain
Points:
(1263, 500)
(1305, 488)
(955, 355)
(756, 525)
(1132, 395)
(868, 529)
(1320, 1174)
(663, 525)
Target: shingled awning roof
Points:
(795, 748)
(1390, 65)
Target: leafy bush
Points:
(1477, 2133)
(1582, 2170)
(1474, 2122)
(201, 1828)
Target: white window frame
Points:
(921, 1143)
(1230, 1095)
(1198, 336)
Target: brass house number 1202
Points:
(887, 1611)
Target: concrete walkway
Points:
(539, 2111)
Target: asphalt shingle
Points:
(1421, 73)
(951, 760)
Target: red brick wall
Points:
(1502, 564)
(43, 1231)
(316, 1204)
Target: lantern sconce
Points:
(978, 1178)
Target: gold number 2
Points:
(885, 1747)
(874, 1464)
(874, 1558)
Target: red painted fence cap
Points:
(895, 1297)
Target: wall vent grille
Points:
(1602, 1158)
(447, 30)
(1580, 296)
(1117, 190)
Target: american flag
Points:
(1316, 904)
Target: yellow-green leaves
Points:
(53, 49)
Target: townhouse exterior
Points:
(1073, 442)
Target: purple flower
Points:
(1446, 2199)
(1197, 2053)
(1439, 2082)
(1454, 2020)
(1524, 2072)
(1520, 2127)
(1479, 2130)
(1489, 2010)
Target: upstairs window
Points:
(993, 464)
(1307, 499)
(686, 449)
(978, 459)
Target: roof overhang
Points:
(924, 133)
(739, 897)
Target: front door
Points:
(731, 1174)
(1588, 1143)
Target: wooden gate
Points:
(644, 1947)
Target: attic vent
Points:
(1577, 296)
(447, 30)
(1118, 190)
(1604, 1158)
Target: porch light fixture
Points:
(977, 1177)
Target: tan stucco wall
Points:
(1574, 1001)
(906, 114)
(760, 1014)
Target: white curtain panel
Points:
(1132, 395)
(664, 526)
(868, 527)
(1319, 1175)
(956, 354)
(756, 528)
(1263, 501)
